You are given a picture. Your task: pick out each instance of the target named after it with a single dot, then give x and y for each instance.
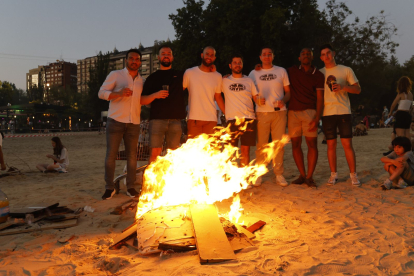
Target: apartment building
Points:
(59, 73)
(149, 65)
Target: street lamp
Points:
(47, 92)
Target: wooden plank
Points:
(57, 225)
(125, 235)
(212, 243)
(256, 226)
(242, 230)
(36, 210)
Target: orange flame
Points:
(203, 170)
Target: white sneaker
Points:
(354, 179)
(333, 179)
(281, 180)
(387, 184)
(258, 182)
(401, 184)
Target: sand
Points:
(339, 230)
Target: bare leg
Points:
(42, 167)
(395, 172)
(312, 143)
(155, 152)
(332, 154)
(245, 156)
(298, 155)
(349, 153)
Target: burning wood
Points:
(202, 171)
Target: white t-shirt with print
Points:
(201, 89)
(270, 83)
(238, 93)
(337, 103)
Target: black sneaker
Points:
(108, 194)
(132, 193)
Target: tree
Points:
(93, 106)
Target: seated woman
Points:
(360, 129)
(60, 158)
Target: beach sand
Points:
(332, 230)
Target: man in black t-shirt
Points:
(163, 89)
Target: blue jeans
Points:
(170, 128)
(115, 132)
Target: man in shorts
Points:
(272, 83)
(305, 110)
(239, 90)
(339, 81)
(164, 90)
(203, 82)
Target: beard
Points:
(235, 71)
(205, 63)
(132, 67)
(166, 62)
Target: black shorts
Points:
(342, 122)
(402, 120)
(248, 137)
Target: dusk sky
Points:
(37, 32)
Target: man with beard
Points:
(272, 82)
(122, 88)
(239, 90)
(339, 81)
(203, 82)
(167, 106)
(305, 110)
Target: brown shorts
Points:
(197, 127)
(298, 123)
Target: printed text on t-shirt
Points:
(268, 77)
(237, 87)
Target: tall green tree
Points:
(93, 105)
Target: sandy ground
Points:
(339, 230)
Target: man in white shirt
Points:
(239, 90)
(202, 82)
(339, 81)
(123, 89)
(272, 82)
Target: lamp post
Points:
(47, 92)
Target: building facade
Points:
(117, 61)
(56, 74)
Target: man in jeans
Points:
(123, 89)
(164, 90)
(339, 81)
(272, 83)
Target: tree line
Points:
(245, 26)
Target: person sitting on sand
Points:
(360, 129)
(60, 158)
(2, 163)
(399, 164)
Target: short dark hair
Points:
(236, 55)
(133, 51)
(402, 141)
(266, 47)
(162, 47)
(327, 45)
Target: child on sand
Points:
(60, 158)
(399, 164)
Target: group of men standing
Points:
(309, 91)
